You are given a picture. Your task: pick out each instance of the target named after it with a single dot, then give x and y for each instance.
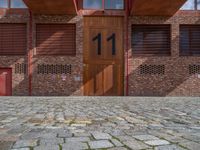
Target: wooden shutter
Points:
(56, 39)
(151, 39)
(13, 39)
(190, 40)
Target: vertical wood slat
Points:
(56, 39)
(13, 39)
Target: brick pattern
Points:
(176, 81)
(60, 84)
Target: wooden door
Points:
(103, 56)
(5, 82)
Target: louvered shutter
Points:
(56, 39)
(13, 39)
(189, 40)
(151, 39)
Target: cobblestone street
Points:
(108, 123)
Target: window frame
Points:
(149, 54)
(9, 5)
(103, 6)
(189, 53)
(196, 8)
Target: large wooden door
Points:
(103, 56)
(5, 82)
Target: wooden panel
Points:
(156, 7)
(5, 82)
(190, 40)
(103, 56)
(151, 39)
(51, 6)
(56, 39)
(13, 39)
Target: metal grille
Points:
(194, 69)
(152, 69)
(20, 68)
(54, 69)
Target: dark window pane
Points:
(190, 40)
(3, 3)
(151, 39)
(92, 4)
(114, 4)
(17, 4)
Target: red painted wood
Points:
(5, 82)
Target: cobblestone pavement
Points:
(108, 123)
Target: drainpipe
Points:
(76, 6)
(127, 46)
(30, 48)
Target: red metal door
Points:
(5, 82)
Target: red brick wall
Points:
(176, 81)
(19, 81)
(54, 84)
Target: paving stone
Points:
(25, 143)
(145, 137)
(20, 149)
(30, 118)
(157, 142)
(100, 144)
(101, 136)
(77, 139)
(4, 145)
(82, 134)
(116, 142)
(65, 135)
(52, 141)
(118, 148)
(190, 145)
(74, 146)
(136, 145)
(169, 147)
(47, 147)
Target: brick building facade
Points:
(120, 65)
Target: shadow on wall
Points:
(58, 75)
(175, 81)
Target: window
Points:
(13, 39)
(17, 4)
(3, 3)
(92, 4)
(103, 4)
(114, 4)
(191, 5)
(190, 40)
(56, 39)
(151, 39)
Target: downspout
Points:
(127, 47)
(76, 6)
(30, 51)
